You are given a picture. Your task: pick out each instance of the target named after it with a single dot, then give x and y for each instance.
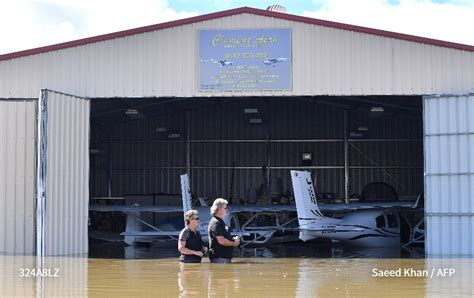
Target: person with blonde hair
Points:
(190, 243)
(221, 243)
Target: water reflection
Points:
(249, 276)
(353, 278)
(11, 283)
(450, 277)
(60, 276)
(192, 279)
(287, 250)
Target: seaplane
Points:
(374, 224)
(273, 61)
(251, 231)
(221, 63)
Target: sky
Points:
(26, 24)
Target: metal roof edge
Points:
(428, 96)
(231, 12)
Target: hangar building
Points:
(236, 99)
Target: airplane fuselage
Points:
(368, 228)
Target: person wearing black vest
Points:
(221, 243)
(190, 243)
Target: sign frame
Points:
(200, 59)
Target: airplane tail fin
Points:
(305, 197)
(185, 193)
(420, 202)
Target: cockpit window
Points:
(392, 221)
(380, 220)
(233, 224)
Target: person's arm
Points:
(225, 242)
(219, 232)
(186, 251)
(183, 237)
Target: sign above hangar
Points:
(247, 59)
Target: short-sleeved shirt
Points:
(217, 227)
(193, 242)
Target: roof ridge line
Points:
(230, 12)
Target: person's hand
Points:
(236, 241)
(198, 253)
(204, 248)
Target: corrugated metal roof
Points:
(231, 12)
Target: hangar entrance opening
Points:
(242, 149)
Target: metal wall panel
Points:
(398, 163)
(17, 176)
(390, 153)
(70, 280)
(14, 285)
(449, 174)
(67, 190)
(144, 161)
(407, 182)
(73, 277)
(137, 158)
(326, 61)
(283, 118)
(459, 284)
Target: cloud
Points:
(26, 24)
(446, 20)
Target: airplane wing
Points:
(170, 233)
(263, 208)
(238, 233)
(132, 208)
(373, 205)
(150, 233)
(323, 207)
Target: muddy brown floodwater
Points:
(270, 275)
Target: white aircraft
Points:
(365, 224)
(273, 61)
(251, 232)
(221, 63)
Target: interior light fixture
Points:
(95, 151)
(255, 120)
(174, 135)
(377, 109)
(250, 111)
(131, 112)
(355, 134)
